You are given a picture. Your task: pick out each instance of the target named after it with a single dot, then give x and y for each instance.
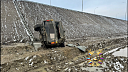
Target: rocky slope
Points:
(76, 24)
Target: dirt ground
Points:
(20, 57)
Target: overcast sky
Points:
(110, 8)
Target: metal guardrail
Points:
(29, 33)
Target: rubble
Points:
(66, 59)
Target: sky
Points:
(110, 8)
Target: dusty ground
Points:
(20, 57)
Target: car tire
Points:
(62, 45)
(37, 27)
